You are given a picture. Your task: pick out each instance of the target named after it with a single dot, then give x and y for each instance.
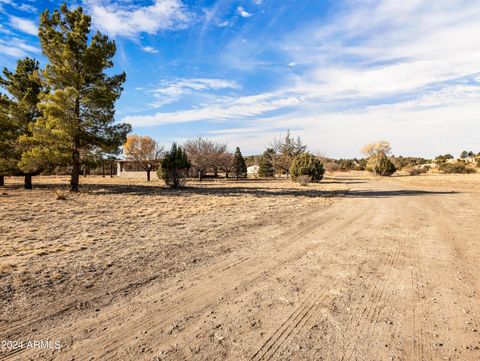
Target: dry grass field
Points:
(353, 268)
(118, 234)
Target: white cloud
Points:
(243, 13)
(149, 49)
(24, 25)
(124, 19)
(16, 48)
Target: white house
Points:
(252, 171)
(129, 169)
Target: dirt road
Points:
(389, 272)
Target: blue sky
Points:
(339, 74)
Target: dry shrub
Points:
(304, 180)
(455, 168)
(417, 170)
(60, 194)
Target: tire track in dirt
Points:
(374, 304)
(254, 270)
(443, 221)
(421, 343)
(302, 315)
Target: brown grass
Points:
(116, 232)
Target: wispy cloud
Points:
(26, 7)
(17, 48)
(426, 43)
(223, 109)
(171, 91)
(149, 49)
(414, 127)
(125, 19)
(24, 25)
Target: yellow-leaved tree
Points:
(144, 151)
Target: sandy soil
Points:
(354, 268)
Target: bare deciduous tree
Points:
(206, 155)
(377, 148)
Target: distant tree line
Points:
(207, 158)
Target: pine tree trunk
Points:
(111, 170)
(75, 171)
(2, 181)
(76, 165)
(28, 182)
(103, 169)
(148, 175)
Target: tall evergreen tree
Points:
(286, 148)
(265, 164)
(25, 89)
(238, 164)
(78, 111)
(175, 165)
(7, 139)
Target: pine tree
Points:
(7, 140)
(175, 165)
(78, 111)
(25, 89)
(265, 164)
(286, 148)
(238, 165)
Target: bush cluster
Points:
(380, 165)
(307, 164)
(417, 170)
(455, 168)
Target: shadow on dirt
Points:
(232, 188)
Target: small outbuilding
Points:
(252, 171)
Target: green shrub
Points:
(381, 165)
(174, 167)
(307, 164)
(455, 168)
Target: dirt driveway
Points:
(390, 271)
